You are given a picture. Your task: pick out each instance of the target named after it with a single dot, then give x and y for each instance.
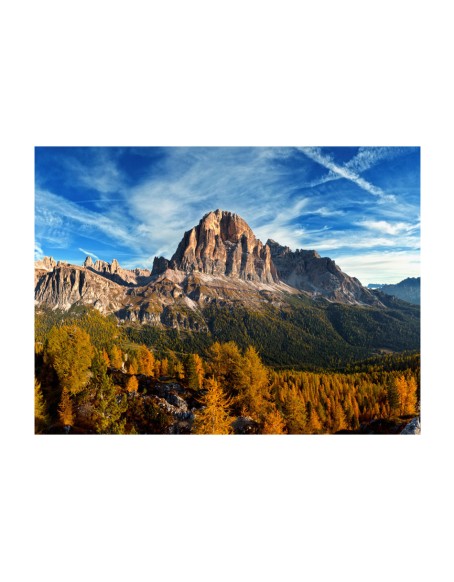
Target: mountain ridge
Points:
(220, 259)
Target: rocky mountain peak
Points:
(227, 225)
(224, 244)
(88, 262)
(47, 263)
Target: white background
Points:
(225, 73)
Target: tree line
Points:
(91, 378)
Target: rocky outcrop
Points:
(413, 427)
(160, 265)
(307, 271)
(223, 244)
(114, 272)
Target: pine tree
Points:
(69, 350)
(274, 423)
(412, 396)
(194, 371)
(225, 364)
(254, 391)
(145, 361)
(295, 412)
(407, 394)
(393, 397)
(108, 404)
(164, 367)
(213, 418)
(116, 357)
(65, 409)
(41, 414)
(314, 425)
(105, 357)
(132, 366)
(132, 384)
(339, 418)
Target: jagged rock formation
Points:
(223, 244)
(307, 271)
(46, 263)
(67, 285)
(114, 272)
(160, 265)
(43, 266)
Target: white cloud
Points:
(386, 227)
(381, 267)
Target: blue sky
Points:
(357, 205)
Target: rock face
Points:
(223, 244)
(319, 276)
(160, 265)
(69, 284)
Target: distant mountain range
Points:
(296, 307)
(408, 290)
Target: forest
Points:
(92, 376)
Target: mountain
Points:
(309, 272)
(223, 244)
(408, 290)
(222, 283)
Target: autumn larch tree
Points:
(108, 403)
(225, 363)
(295, 412)
(69, 350)
(41, 413)
(274, 423)
(254, 394)
(407, 395)
(116, 357)
(132, 384)
(214, 417)
(194, 371)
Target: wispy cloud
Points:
(88, 253)
(39, 254)
(55, 211)
(326, 161)
(97, 171)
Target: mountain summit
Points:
(224, 244)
